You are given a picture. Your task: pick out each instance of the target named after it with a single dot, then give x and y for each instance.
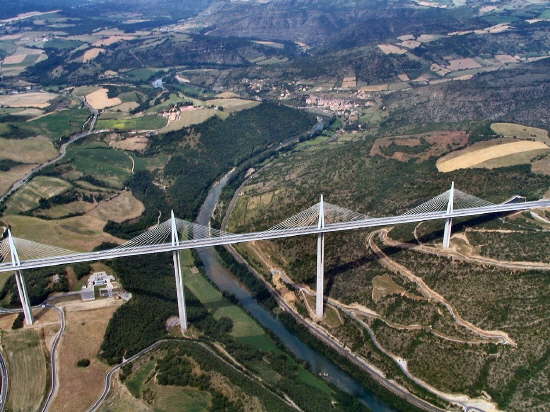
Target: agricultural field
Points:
(40, 187)
(39, 100)
(26, 357)
(80, 233)
(99, 99)
(519, 131)
(80, 386)
(110, 166)
(487, 154)
(148, 122)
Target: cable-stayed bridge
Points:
(175, 234)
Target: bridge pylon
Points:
(449, 221)
(179, 279)
(20, 281)
(319, 293)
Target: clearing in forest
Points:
(485, 151)
(521, 131)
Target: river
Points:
(226, 281)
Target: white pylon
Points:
(179, 279)
(319, 293)
(20, 281)
(449, 221)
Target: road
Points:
(61, 155)
(330, 341)
(107, 380)
(269, 235)
(53, 359)
(5, 383)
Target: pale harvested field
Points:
(99, 99)
(521, 131)
(58, 211)
(349, 82)
(270, 44)
(119, 209)
(91, 54)
(37, 99)
(410, 44)
(13, 175)
(189, 118)
(25, 353)
(137, 143)
(426, 38)
(523, 158)
(80, 387)
(375, 88)
(227, 95)
(463, 64)
(506, 58)
(234, 105)
(15, 59)
(40, 187)
(112, 40)
(471, 157)
(37, 149)
(79, 233)
(391, 49)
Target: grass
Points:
(141, 75)
(62, 123)
(62, 44)
(245, 329)
(175, 399)
(110, 166)
(28, 369)
(41, 187)
(138, 123)
(137, 380)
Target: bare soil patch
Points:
(479, 153)
(99, 99)
(36, 99)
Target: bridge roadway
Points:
(271, 234)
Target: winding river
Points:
(226, 281)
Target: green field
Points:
(62, 44)
(108, 165)
(137, 123)
(28, 369)
(141, 75)
(245, 329)
(137, 380)
(62, 123)
(29, 196)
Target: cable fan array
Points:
(162, 234)
(439, 203)
(310, 217)
(28, 249)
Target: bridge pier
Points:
(182, 312)
(20, 281)
(449, 221)
(24, 297)
(179, 291)
(319, 293)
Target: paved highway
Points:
(271, 234)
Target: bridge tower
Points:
(179, 279)
(449, 221)
(21, 286)
(319, 294)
